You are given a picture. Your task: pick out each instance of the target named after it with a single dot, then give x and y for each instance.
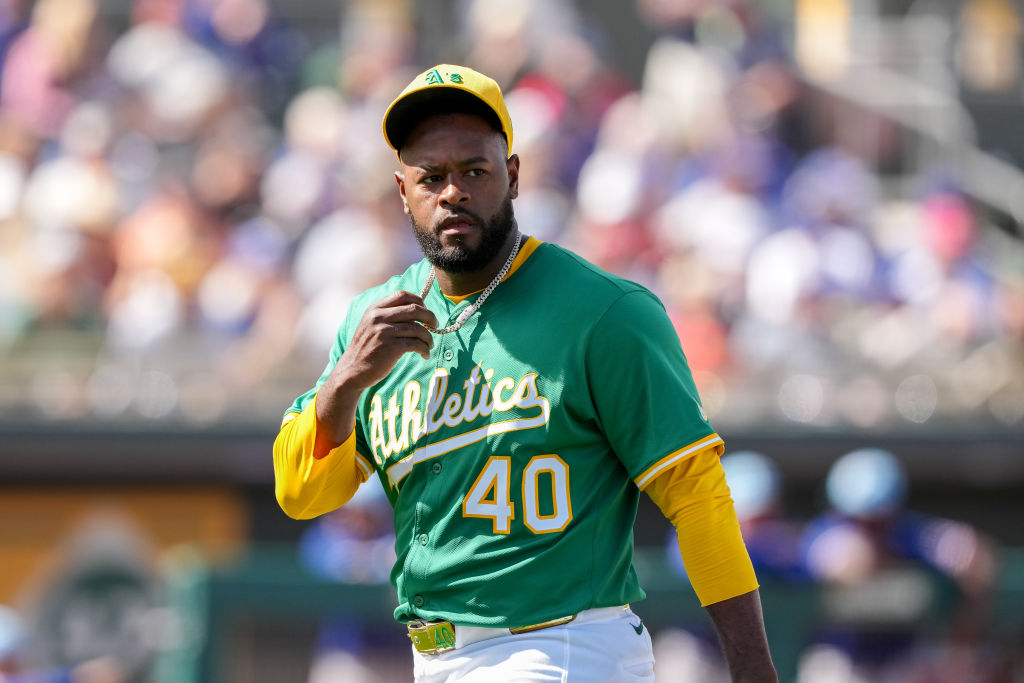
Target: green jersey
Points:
(514, 457)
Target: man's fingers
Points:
(413, 330)
(402, 306)
(414, 344)
(398, 298)
(409, 312)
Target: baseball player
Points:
(514, 400)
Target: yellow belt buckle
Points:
(432, 637)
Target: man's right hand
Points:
(390, 328)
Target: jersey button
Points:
(423, 539)
(448, 355)
(436, 467)
(419, 600)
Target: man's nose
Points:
(454, 193)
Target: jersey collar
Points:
(525, 252)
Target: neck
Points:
(461, 284)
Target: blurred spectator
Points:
(353, 544)
(690, 652)
(876, 557)
(356, 542)
(262, 51)
(771, 536)
(43, 61)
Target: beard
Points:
(459, 258)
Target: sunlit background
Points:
(827, 195)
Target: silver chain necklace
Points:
(470, 310)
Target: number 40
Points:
(489, 495)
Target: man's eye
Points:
(431, 178)
(473, 172)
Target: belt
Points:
(435, 637)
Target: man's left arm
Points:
(651, 391)
(694, 496)
(740, 628)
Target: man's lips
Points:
(460, 225)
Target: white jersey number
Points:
(489, 496)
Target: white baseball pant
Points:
(603, 645)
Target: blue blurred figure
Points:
(884, 569)
(690, 652)
(353, 544)
(772, 540)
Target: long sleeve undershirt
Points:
(694, 496)
(313, 476)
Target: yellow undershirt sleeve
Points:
(313, 476)
(694, 496)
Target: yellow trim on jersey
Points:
(524, 253)
(312, 478)
(676, 456)
(694, 496)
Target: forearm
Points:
(312, 474)
(336, 406)
(740, 627)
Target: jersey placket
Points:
(417, 562)
(422, 542)
(446, 345)
(430, 494)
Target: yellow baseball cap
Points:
(446, 87)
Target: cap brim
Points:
(412, 108)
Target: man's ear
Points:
(513, 175)
(400, 179)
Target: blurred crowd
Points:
(191, 191)
(905, 597)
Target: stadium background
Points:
(826, 194)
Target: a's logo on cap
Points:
(434, 77)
